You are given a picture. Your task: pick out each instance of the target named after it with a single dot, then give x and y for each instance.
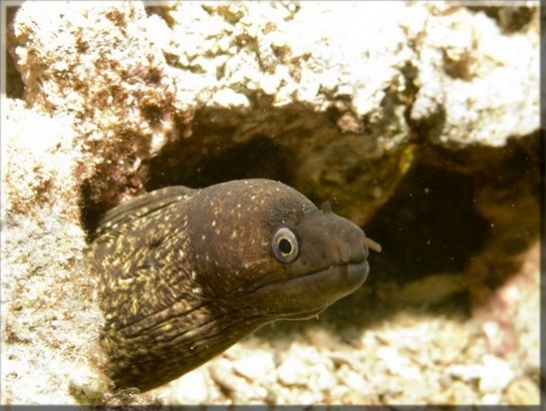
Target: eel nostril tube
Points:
(368, 242)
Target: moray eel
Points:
(186, 273)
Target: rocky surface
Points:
(418, 120)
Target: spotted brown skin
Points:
(185, 274)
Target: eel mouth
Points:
(340, 276)
(308, 295)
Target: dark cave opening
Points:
(428, 226)
(260, 157)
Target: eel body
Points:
(185, 273)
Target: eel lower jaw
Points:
(308, 295)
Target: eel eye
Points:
(284, 245)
